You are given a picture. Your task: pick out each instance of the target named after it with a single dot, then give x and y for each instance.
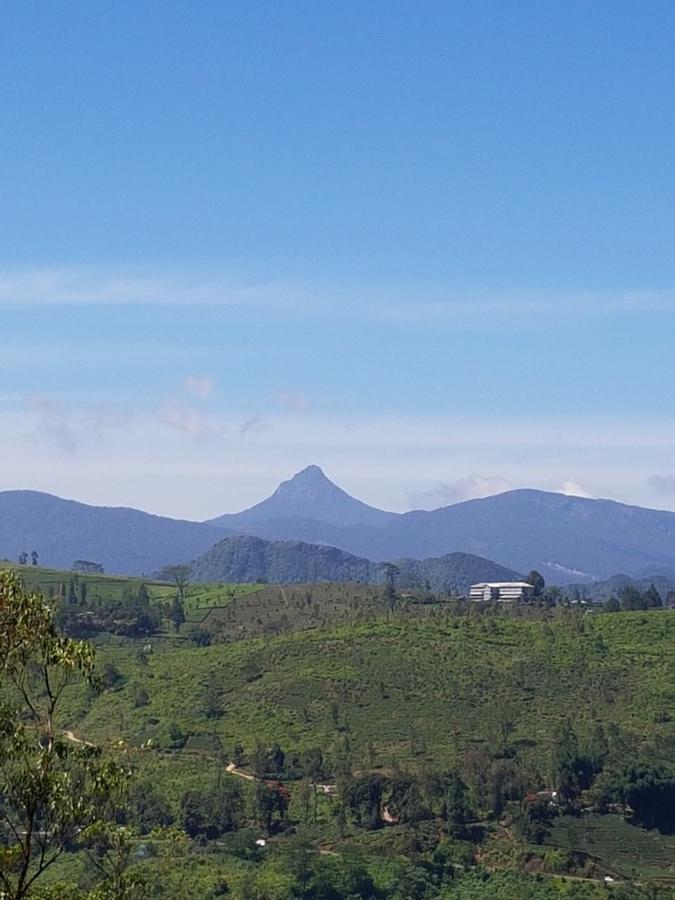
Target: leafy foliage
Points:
(52, 793)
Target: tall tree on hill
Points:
(391, 573)
(631, 598)
(53, 793)
(455, 808)
(652, 597)
(181, 576)
(34, 556)
(536, 579)
(177, 612)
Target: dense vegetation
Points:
(251, 559)
(381, 745)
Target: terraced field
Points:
(624, 849)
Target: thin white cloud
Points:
(470, 488)
(572, 489)
(293, 401)
(414, 304)
(59, 287)
(188, 420)
(200, 386)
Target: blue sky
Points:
(428, 246)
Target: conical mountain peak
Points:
(310, 475)
(309, 494)
(310, 482)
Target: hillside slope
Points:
(449, 682)
(251, 559)
(122, 540)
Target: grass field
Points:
(108, 587)
(199, 598)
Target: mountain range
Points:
(569, 539)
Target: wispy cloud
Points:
(662, 484)
(60, 287)
(293, 401)
(413, 304)
(470, 488)
(199, 386)
(572, 489)
(67, 427)
(188, 420)
(253, 426)
(54, 421)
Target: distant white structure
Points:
(502, 591)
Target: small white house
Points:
(502, 591)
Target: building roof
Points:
(502, 584)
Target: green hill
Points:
(244, 559)
(445, 684)
(397, 701)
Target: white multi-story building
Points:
(502, 591)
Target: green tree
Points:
(53, 792)
(177, 612)
(631, 598)
(181, 576)
(147, 808)
(214, 812)
(652, 597)
(212, 700)
(72, 595)
(536, 579)
(455, 805)
(650, 792)
(391, 574)
(365, 801)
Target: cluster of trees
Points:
(87, 567)
(646, 787)
(209, 813)
(82, 614)
(631, 598)
(82, 611)
(23, 558)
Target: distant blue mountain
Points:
(569, 539)
(310, 495)
(122, 540)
